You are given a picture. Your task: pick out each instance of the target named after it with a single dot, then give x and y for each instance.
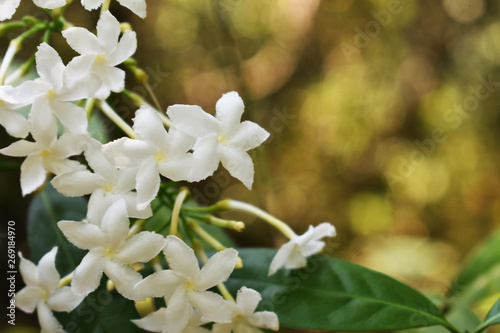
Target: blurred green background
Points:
(384, 118)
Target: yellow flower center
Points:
(51, 94)
(108, 188)
(190, 285)
(109, 253)
(100, 59)
(159, 156)
(2, 103)
(44, 153)
(222, 138)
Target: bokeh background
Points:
(384, 118)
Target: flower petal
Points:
(147, 183)
(222, 328)
(181, 258)
(81, 40)
(193, 120)
(178, 311)
(248, 135)
(72, 117)
(27, 298)
(141, 247)
(127, 153)
(281, 257)
(92, 4)
(115, 224)
(8, 8)
(211, 305)
(87, 275)
(50, 4)
(33, 174)
(205, 158)
(264, 319)
(49, 66)
(83, 235)
(14, 123)
(125, 49)
(154, 322)
(137, 6)
(247, 300)
(28, 270)
(47, 272)
(149, 127)
(124, 278)
(108, 31)
(217, 269)
(77, 183)
(20, 148)
(228, 111)
(159, 284)
(48, 323)
(238, 163)
(64, 299)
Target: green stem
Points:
(115, 118)
(177, 210)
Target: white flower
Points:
(41, 292)
(47, 153)
(293, 254)
(99, 55)
(185, 285)
(14, 123)
(245, 319)
(50, 4)
(8, 8)
(221, 139)
(157, 322)
(155, 152)
(50, 94)
(136, 6)
(106, 185)
(110, 251)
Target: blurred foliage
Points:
(383, 114)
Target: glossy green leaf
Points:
(332, 294)
(479, 279)
(46, 209)
(492, 318)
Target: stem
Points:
(230, 224)
(65, 280)
(114, 117)
(205, 235)
(138, 226)
(229, 204)
(89, 106)
(225, 293)
(177, 209)
(105, 6)
(139, 101)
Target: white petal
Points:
(49, 66)
(131, 200)
(81, 40)
(92, 4)
(96, 207)
(147, 183)
(178, 311)
(98, 162)
(264, 319)
(127, 153)
(324, 229)
(33, 174)
(48, 323)
(154, 322)
(247, 135)
(193, 120)
(64, 299)
(149, 127)
(50, 4)
(15, 124)
(247, 300)
(28, 270)
(238, 163)
(83, 235)
(222, 328)
(217, 269)
(43, 124)
(181, 258)
(20, 148)
(295, 259)
(159, 284)
(108, 31)
(205, 158)
(113, 80)
(137, 6)
(8, 8)
(212, 306)
(72, 117)
(115, 224)
(79, 81)
(47, 272)
(88, 274)
(177, 168)
(311, 248)
(124, 50)
(141, 247)
(281, 257)
(228, 110)
(27, 298)
(124, 278)
(77, 183)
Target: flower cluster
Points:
(123, 177)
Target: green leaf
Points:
(46, 209)
(332, 294)
(479, 279)
(492, 318)
(101, 312)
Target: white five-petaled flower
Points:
(245, 319)
(8, 8)
(15, 124)
(47, 153)
(157, 322)
(110, 251)
(223, 138)
(41, 292)
(185, 285)
(136, 6)
(293, 254)
(106, 184)
(99, 55)
(155, 152)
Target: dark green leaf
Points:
(46, 209)
(332, 294)
(492, 318)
